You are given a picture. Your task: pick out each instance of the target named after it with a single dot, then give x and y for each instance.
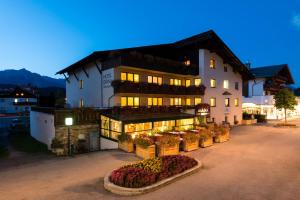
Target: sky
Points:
(48, 35)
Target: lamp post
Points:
(69, 122)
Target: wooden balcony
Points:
(148, 88)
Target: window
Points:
(175, 101)
(236, 85)
(155, 80)
(27, 100)
(16, 100)
(225, 68)
(81, 103)
(80, 84)
(227, 102)
(187, 62)
(198, 101)
(175, 81)
(155, 101)
(226, 84)
(198, 81)
(236, 102)
(188, 83)
(130, 77)
(213, 102)
(188, 102)
(130, 101)
(212, 63)
(213, 83)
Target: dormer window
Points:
(212, 63)
(187, 62)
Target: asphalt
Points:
(259, 162)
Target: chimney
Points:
(248, 64)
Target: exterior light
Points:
(68, 121)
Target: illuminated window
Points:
(187, 62)
(188, 102)
(154, 101)
(150, 102)
(17, 94)
(159, 101)
(227, 102)
(26, 100)
(226, 84)
(155, 80)
(198, 81)
(212, 63)
(123, 101)
(130, 77)
(198, 101)
(123, 76)
(130, 101)
(136, 78)
(213, 83)
(236, 102)
(175, 81)
(22, 94)
(175, 101)
(171, 101)
(80, 84)
(188, 83)
(81, 103)
(171, 81)
(16, 100)
(213, 102)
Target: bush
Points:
(168, 140)
(125, 138)
(56, 143)
(141, 174)
(26, 143)
(247, 116)
(3, 152)
(190, 137)
(205, 134)
(260, 118)
(144, 142)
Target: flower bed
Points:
(150, 171)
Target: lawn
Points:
(26, 143)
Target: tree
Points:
(285, 99)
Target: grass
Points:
(3, 152)
(26, 143)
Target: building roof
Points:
(164, 57)
(272, 71)
(18, 92)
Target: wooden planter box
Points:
(249, 121)
(149, 152)
(190, 146)
(206, 142)
(126, 146)
(221, 138)
(166, 151)
(59, 151)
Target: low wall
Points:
(107, 144)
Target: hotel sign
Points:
(202, 109)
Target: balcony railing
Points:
(149, 88)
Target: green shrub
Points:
(56, 143)
(144, 141)
(125, 137)
(26, 143)
(168, 140)
(191, 137)
(205, 134)
(260, 118)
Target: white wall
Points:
(91, 91)
(106, 144)
(218, 112)
(42, 127)
(256, 87)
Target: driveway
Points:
(259, 162)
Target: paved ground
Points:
(259, 162)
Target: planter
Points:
(168, 150)
(59, 151)
(145, 153)
(190, 146)
(206, 142)
(221, 138)
(126, 146)
(108, 185)
(249, 121)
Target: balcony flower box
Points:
(145, 147)
(168, 145)
(190, 141)
(125, 143)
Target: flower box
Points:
(145, 152)
(220, 138)
(164, 150)
(190, 146)
(206, 142)
(126, 146)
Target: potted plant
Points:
(145, 147)
(168, 145)
(125, 142)
(221, 134)
(190, 141)
(57, 147)
(206, 138)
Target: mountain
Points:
(25, 77)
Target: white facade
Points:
(219, 112)
(16, 105)
(42, 127)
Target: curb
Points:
(136, 191)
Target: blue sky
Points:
(46, 36)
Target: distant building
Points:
(259, 92)
(16, 101)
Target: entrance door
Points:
(94, 141)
